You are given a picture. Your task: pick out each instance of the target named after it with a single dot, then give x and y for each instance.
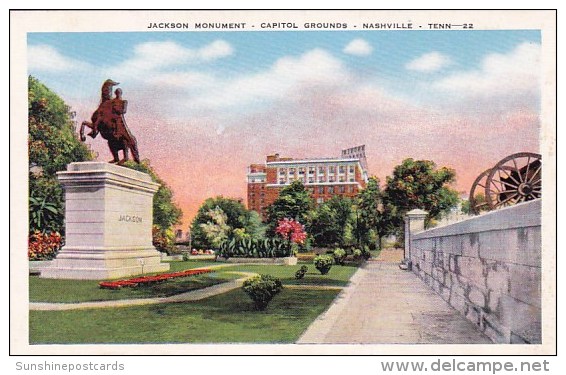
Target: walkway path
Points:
(386, 305)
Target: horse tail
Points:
(134, 148)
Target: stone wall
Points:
(489, 269)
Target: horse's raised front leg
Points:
(82, 130)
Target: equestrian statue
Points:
(108, 120)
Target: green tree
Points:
(293, 202)
(330, 222)
(419, 184)
(165, 212)
(247, 223)
(373, 216)
(254, 226)
(216, 230)
(52, 144)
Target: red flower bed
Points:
(145, 280)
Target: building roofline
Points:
(307, 161)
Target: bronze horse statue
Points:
(108, 120)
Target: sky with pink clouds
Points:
(205, 105)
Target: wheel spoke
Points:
(528, 167)
(518, 170)
(506, 183)
(506, 200)
(536, 174)
(513, 178)
(494, 185)
(477, 207)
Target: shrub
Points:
(301, 272)
(43, 246)
(254, 248)
(366, 252)
(323, 263)
(164, 240)
(261, 289)
(339, 256)
(357, 254)
(44, 215)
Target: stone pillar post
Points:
(108, 224)
(414, 223)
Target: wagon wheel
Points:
(477, 197)
(517, 178)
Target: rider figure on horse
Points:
(105, 97)
(108, 119)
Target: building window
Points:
(301, 170)
(342, 189)
(342, 179)
(332, 169)
(282, 171)
(331, 190)
(351, 188)
(281, 181)
(311, 170)
(291, 170)
(321, 179)
(321, 190)
(311, 180)
(351, 169)
(342, 169)
(331, 179)
(320, 170)
(351, 179)
(320, 200)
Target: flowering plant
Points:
(43, 246)
(292, 231)
(146, 280)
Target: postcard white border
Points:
(23, 22)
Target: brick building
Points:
(323, 177)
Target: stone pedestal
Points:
(414, 223)
(108, 222)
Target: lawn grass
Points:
(225, 318)
(338, 275)
(176, 266)
(72, 291)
